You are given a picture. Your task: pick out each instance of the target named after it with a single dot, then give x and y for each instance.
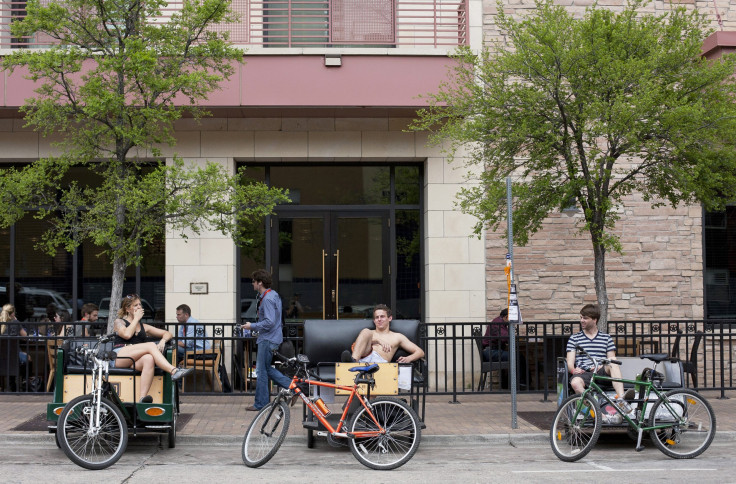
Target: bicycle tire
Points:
(695, 432)
(172, 429)
(265, 434)
(86, 446)
(400, 441)
(571, 441)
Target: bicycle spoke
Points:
(396, 445)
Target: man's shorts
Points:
(588, 375)
(374, 357)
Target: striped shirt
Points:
(597, 347)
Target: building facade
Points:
(321, 107)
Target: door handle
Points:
(336, 291)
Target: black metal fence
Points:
(224, 360)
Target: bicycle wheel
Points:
(574, 432)
(693, 428)
(172, 429)
(265, 434)
(86, 444)
(399, 442)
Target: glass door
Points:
(331, 264)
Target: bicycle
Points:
(92, 429)
(681, 423)
(383, 433)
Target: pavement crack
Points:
(142, 466)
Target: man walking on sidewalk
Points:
(270, 337)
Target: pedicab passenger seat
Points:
(76, 363)
(325, 341)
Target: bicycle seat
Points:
(365, 369)
(656, 357)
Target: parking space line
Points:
(609, 469)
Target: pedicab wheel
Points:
(693, 429)
(575, 428)
(86, 443)
(265, 434)
(172, 430)
(397, 445)
(56, 439)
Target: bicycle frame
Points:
(101, 387)
(335, 431)
(643, 398)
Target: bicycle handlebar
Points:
(596, 363)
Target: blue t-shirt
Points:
(597, 347)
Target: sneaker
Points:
(146, 399)
(625, 407)
(347, 357)
(180, 373)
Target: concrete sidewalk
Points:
(485, 417)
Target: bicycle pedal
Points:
(322, 434)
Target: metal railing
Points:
(313, 23)
(453, 354)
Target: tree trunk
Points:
(116, 292)
(599, 276)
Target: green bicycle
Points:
(680, 422)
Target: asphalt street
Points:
(450, 459)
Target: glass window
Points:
(45, 279)
(408, 185)
(408, 275)
(4, 265)
(334, 185)
(720, 263)
(253, 252)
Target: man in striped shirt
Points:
(598, 345)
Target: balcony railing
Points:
(313, 23)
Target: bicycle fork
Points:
(267, 420)
(96, 400)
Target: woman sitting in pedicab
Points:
(132, 348)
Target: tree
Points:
(109, 86)
(589, 111)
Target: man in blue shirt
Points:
(192, 337)
(270, 337)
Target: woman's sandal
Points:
(180, 373)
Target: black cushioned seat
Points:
(326, 339)
(75, 364)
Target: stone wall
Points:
(659, 274)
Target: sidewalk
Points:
(476, 415)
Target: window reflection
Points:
(334, 185)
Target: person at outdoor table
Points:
(598, 345)
(496, 340)
(192, 337)
(496, 345)
(131, 346)
(12, 327)
(90, 314)
(52, 316)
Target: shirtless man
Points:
(380, 345)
